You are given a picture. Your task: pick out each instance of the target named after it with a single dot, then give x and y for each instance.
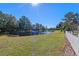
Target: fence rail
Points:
(74, 41)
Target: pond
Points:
(27, 33)
(35, 32)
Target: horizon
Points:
(48, 14)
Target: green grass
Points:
(43, 45)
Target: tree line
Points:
(9, 24)
(70, 22)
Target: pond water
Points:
(35, 33)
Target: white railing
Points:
(74, 41)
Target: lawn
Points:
(39, 45)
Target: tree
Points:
(9, 23)
(60, 26)
(71, 21)
(25, 24)
(3, 21)
(43, 28)
(12, 23)
(39, 27)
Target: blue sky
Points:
(48, 14)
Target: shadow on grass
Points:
(12, 35)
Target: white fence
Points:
(74, 41)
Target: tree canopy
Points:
(9, 23)
(70, 21)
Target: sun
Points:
(35, 4)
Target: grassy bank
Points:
(49, 44)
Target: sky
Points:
(48, 14)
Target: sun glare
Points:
(35, 4)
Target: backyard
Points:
(42, 45)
